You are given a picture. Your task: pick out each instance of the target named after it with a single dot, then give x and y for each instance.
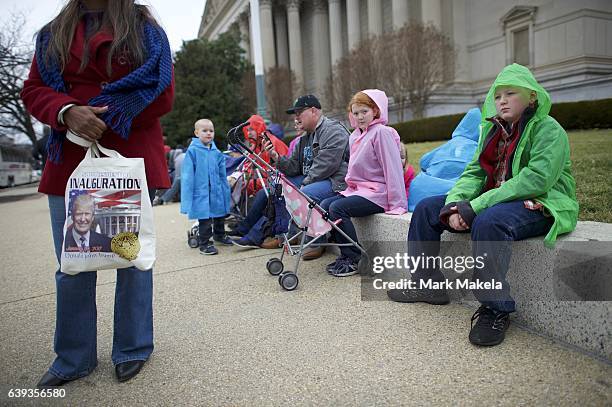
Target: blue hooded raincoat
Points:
(442, 166)
(205, 192)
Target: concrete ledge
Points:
(549, 285)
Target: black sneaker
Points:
(345, 267)
(427, 295)
(245, 242)
(490, 328)
(331, 266)
(224, 240)
(208, 249)
(235, 233)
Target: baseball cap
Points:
(304, 102)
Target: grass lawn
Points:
(591, 154)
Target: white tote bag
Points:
(109, 219)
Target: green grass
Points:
(591, 154)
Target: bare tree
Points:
(393, 70)
(409, 64)
(281, 86)
(360, 69)
(424, 62)
(15, 59)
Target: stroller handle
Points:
(262, 165)
(231, 134)
(235, 140)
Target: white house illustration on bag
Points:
(117, 211)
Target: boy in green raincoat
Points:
(519, 185)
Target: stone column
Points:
(459, 37)
(374, 17)
(352, 23)
(335, 30)
(399, 10)
(431, 12)
(245, 37)
(295, 40)
(267, 34)
(320, 32)
(280, 27)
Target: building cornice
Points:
(518, 13)
(293, 5)
(572, 16)
(223, 13)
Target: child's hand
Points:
(456, 222)
(231, 180)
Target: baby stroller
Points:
(193, 235)
(239, 201)
(308, 216)
(239, 194)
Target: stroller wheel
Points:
(275, 266)
(193, 242)
(289, 281)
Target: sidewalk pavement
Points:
(227, 334)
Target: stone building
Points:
(566, 43)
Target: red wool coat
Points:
(44, 104)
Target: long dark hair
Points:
(123, 18)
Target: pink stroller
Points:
(310, 219)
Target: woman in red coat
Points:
(102, 70)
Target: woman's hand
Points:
(84, 122)
(269, 147)
(456, 222)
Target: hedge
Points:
(590, 114)
(429, 129)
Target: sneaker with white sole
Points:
(208, 249)
(331, 266)
(224, 240)
(246, 243)
(345, 267)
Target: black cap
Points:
(304, 102)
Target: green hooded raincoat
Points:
(541, 168)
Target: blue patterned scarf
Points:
(127, 97)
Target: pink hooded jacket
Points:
(375, 167)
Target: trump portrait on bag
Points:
(79, 236)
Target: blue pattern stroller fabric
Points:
(442, 167)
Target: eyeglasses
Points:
(299, 112)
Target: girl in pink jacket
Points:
(375, 177)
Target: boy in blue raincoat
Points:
(205, 193)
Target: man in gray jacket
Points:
(319, 162)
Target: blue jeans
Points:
(174, 189)
(345, 208)
(318, 191)
(75, 341)
(492, 233)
